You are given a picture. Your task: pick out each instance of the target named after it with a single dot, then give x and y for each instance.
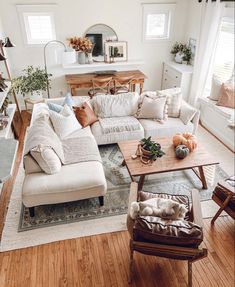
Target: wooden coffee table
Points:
(195, 161)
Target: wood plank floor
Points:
(102, 260)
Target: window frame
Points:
(44, 9)
(158, 8)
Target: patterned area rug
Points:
(116, 199)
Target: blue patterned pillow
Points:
(69, 100)
(55, 107)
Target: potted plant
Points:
(33, 82)
(84, 48)
(150, 149)
(182, 52)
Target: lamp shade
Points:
(8, 43)
(2, 58)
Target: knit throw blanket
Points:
(80, 149)
(119, 124)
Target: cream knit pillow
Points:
(174, 97)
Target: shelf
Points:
(102, 65)
(4, 94)
(10, 111)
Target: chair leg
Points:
(131, 266)
(190, 274)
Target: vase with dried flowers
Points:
(84, 48)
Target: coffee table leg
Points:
(124, 163)
(141, 182)
(202, 177)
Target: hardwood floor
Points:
(103, 260)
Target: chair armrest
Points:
(196, 206)
(133, 195)
(196, 117)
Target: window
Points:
(224, 55)
(157, 19)
(37, 23)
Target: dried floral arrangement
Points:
(82, 44)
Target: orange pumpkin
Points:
(187, 139)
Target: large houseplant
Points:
(32, 83)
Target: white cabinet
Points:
(177, 75)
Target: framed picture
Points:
(115, 52)
(192, 45)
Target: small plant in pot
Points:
(182, 53)
(33, 82)
(150, 150)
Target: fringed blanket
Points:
(119, 124)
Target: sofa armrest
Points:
(196, 117)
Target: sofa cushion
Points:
(65, 122)
(110, 138)
(187, 113)
(169, 128)
(215, 88)
(85, 115)
(153, 108)
(106, 106)
(46, 158)
(73, 182)
(30, 164)
(175, 97)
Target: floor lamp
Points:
(8, 44)
(69, 57)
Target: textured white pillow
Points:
(46, 158)
(153, 108)
(215, 88)
(187, 113)
(121, 105)
(65, 122)
(174, 96)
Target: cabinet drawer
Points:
(171, 82)
(168, 71)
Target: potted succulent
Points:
(150, 150)
(84, 48)
(33, 82)
(182, 53)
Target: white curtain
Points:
(211, 17)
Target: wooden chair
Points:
(100, 85)
(122, 85)
(224, 196)
(191, 254)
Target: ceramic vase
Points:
(89, 58)
(179, 57)
(81, 58)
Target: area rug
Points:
(86, 217)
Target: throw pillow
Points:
(174, 96)
(215, 88)
(69, 100)
(227, 96)
(65, 122)
(187, 113)
(153, 108)
(85, 115)
(121, 105)
(55, 107)
(46, 158)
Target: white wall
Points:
(73, 17)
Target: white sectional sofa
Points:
(74, 182)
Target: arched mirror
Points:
(99, 34)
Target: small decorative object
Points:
(3, 123)
(148, 150)
(187, 139)
(192, 46)
(115, 51)
(182, 53)
(181, 151)
(4, 106)
(84, 48)
(32, 83)
(3, 86)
